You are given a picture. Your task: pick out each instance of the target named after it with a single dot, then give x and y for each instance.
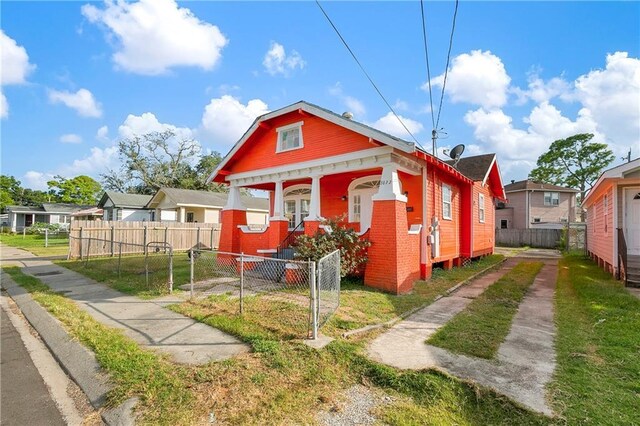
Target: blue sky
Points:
(78, 76)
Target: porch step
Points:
(633, 262)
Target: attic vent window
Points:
(289, 137)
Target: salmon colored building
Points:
(416, 210)
(613, 221)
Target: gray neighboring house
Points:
(20, 217)
(187, 205)
(536, 205)
(125, 207)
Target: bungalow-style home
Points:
(127, 207)
(536, 205)
(613, 221)
(21, 217)
(416, 210)
(187, 205)
(92, 213)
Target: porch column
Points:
(394, 255)
(14, 221)
(33, 219)
(181, 215)
(313, 221)
(278, 223)
(233, 214)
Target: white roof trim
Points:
(614, 172)
(407, 147)
(486, 176)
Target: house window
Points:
(446, 202)
(605, 203)
(536, 220)
(119, 214)
(504, 224)
(289, 137)
(297, 200)
(481, 207)
(551, 199)
(190, 217)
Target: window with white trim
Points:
(190, 217)
(289, 137)
(504, 224)
(297, 200)
(481, 208)
(355, 208)
(446, 201)
(605, 203)
(551, 199)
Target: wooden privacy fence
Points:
(541, 238)
(181, 236)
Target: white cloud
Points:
(612, 97)
(4, 106)
(540, 91)
(98, 161)
(352, 104)
(477, 78)
(71, 138)
(14, 61)
(36, 180)
(276, 61)
(138, 125)
(226, 118)
(401, 105)
(103, 133)
(390, 124)
(154, 36)
(82, 102)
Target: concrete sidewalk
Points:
(525, 360)
(147, 322)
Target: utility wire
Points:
(426, 57)
(446, 70)
(366, 74)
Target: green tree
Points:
(81, 190)
(9, 191)
(159, 159)
(576, 162)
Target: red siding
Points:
(483, 233)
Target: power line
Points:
(446, 70)
(426, 57)
(366, 74)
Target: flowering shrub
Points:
(39, 228)
(353, 250)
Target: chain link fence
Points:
(141, 267)
(576, 236)
(264, 287)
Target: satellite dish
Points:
(456, 153)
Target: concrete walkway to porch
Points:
(147, 322)
(525, 360)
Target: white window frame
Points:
(605, 212)
(297, 199)
(506, 223)
(446, 202)
(481, 211)
(281, 130)
(353, 192)
(551, 199)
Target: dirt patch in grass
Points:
(483, 325)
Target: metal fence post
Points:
(191, 270)
(314, 296)
(113, 237)
(119, 259)
(170, 270)
(80, 244)
(198, 237)
(46, 237)
(241, 283)
(145, 240)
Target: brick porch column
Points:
(391, 257)
(233, 214)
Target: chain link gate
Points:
(327, 294)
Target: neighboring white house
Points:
(126, 207)
(20, 217)
(186, 205)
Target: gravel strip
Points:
(355, 407)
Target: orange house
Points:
(415, 209)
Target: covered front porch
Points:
(378, 192)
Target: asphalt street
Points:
(24, 398)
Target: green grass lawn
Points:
(483, 325)
(597, 380)
(361, 306)
(57, 246)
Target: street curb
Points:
(399, 318)
(75, 359)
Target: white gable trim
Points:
(615, 172)
(407, 147)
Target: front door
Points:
(632, 220)
(361, 202)
(28, 220)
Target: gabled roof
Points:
(47, 208)
(475, 168)
(617, 172)
(530, 185)
(324, 113)
(119, 199)
(190, 197)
